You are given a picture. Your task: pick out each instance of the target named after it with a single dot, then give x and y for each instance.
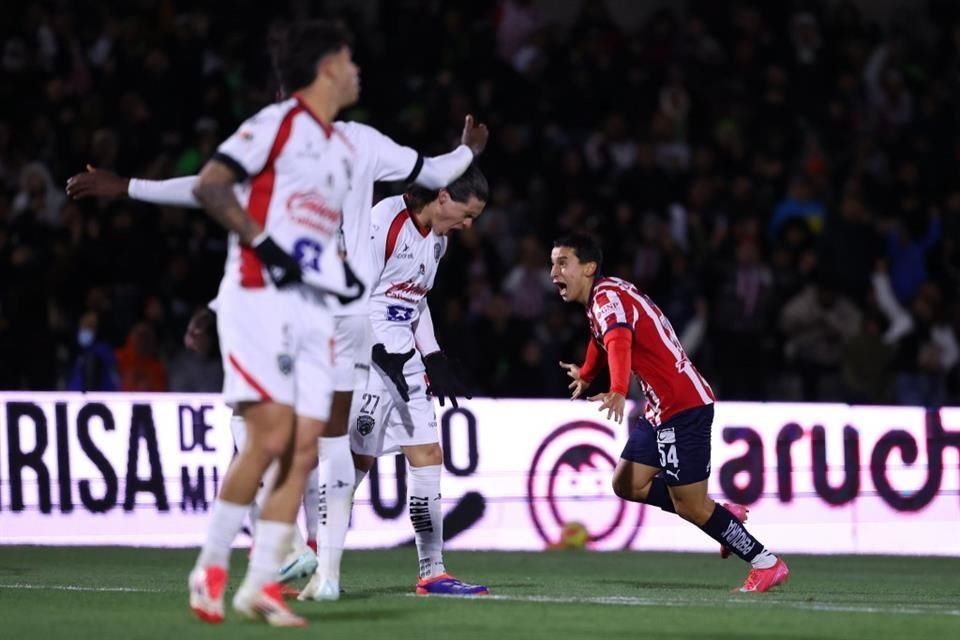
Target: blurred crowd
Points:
(781, 177)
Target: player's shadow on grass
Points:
(358, 616)
(373, 592)
(661, 585)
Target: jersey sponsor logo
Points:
(307, 252)
(396, 313)
(407, 291)
(609, 308)
(404, 253)
(311, 210)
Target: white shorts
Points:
(277, 346)
(239, 430)
(381, 422)
(352, 337)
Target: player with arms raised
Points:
(629, 333)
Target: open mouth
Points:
(561, 287)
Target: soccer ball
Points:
(574, 535)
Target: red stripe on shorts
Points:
(250, 379)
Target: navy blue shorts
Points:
(680, 447)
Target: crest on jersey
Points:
(365, 425)
(423, 269)
(437, 251)
(285, 363)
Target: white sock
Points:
(311, 504)
(226, 519)
(763, 560)
(335, 500)
(426, 516)
(271, 542)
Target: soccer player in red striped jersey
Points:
(666, 461)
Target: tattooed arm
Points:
(214, 191)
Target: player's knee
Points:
(427, 455)
(268, 445)
(625, 487)
(305, 455)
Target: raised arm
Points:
(101, 183)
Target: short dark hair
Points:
(300, 47)
(585, 247)
(471, 183)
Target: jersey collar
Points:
(593, 290)
(327, 127)
(424, 231)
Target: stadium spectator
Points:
(817, 323)
(822, 123)
(95, 367)
(140, 367)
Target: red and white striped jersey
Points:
(406, 256)
(669, 380)
(299, 170)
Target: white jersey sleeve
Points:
(248, 149)
(175, 192)
(389, 161)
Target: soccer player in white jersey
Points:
(275, 325)
(394, 409)
(378, 159)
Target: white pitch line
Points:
(628, 601)
(73, 587)
(760, 600)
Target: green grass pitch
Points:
(118, 593)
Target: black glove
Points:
(392, 365)
(352, 280)
(445, 378)
(282, 267)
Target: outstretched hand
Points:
(614, 403)
(579, 385)
(97, 183)
(474, 136)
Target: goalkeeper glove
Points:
(445, 378)
(392, 365)
(282, 267)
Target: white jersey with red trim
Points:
(406, 256)
(300, 171)
(669, 380)
(379, 158)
